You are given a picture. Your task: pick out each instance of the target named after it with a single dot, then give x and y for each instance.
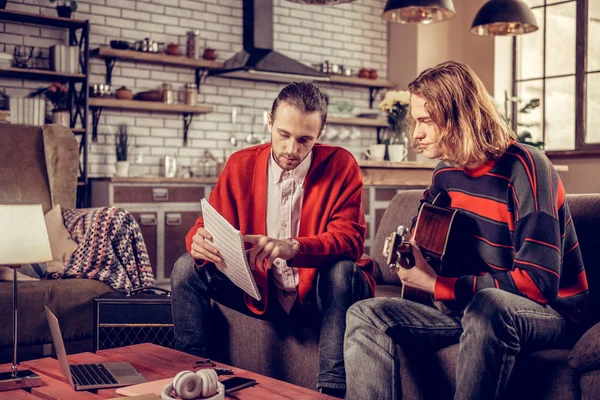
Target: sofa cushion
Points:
(585, 209)
(70, 299)
(60, 240)
(286, 350)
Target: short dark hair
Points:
(304, 96)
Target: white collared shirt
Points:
(285, 190)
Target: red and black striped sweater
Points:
(524, 232)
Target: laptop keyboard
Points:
(91, 375)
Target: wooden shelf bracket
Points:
(187, 121)
(201, 73)
(373, 92)
(96, 112)
(110, 64)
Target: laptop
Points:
(90, 376)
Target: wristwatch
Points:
(296, 245)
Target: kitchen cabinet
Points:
(164, 208)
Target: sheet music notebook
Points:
(230, 243)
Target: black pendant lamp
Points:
(504, 18)
(321, 2)
(418, 11)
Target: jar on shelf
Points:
(193, 45)
(190, 92)
(167, 93)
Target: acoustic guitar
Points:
(440, 234)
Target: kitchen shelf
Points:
(356, 81)
(110, 56)
(40, 74)
(97, 104)
(37, 19)
(377, 123)
(374, 85)
(370, 122)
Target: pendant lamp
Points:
(418, 11)
(504, 18)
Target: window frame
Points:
(581, 40)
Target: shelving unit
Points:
(98, 103)
(40, 74)
(77, 83)
(355, 121)
(374, 85)
(111, 55)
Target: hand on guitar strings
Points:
(421, 276)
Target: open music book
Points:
(230, 243)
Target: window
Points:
(557, 74)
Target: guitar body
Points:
(432, 232)
(443, 235)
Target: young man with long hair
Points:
(298, 204)
(526, 283)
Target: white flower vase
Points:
(122, 168)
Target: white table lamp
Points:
(23, 240)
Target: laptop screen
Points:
(59, 345)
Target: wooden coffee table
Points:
(154, 363)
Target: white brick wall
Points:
(350, 34)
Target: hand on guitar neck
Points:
(425, 251)
(410, 265)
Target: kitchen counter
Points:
(158, 180)
(375, 173)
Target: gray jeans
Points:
(494, 327)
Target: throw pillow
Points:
(60, 240)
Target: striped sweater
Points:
(524, 233)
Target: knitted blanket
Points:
(110, 248)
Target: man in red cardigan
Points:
(299, 205)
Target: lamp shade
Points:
(418, 11)
(321, 2)
(504, 18)
(23, 235)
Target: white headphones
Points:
(189, 385)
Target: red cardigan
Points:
(332, 222)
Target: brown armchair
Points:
(39, 165)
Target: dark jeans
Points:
(337, 288)
(494, 327)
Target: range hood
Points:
(258, 60)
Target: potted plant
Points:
(121, 148)
(523, 128)
(395, 105)
(67, 7)
(57, 94)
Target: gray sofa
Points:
(38, 165)
(289, 352)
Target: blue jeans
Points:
(494, 327)
(337, 288)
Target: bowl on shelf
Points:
(120, 45)
(209, 54)
(150, 95)
(123, 93)
(172, 49)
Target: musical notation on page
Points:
(230, 243)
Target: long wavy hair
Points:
(471, 131)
